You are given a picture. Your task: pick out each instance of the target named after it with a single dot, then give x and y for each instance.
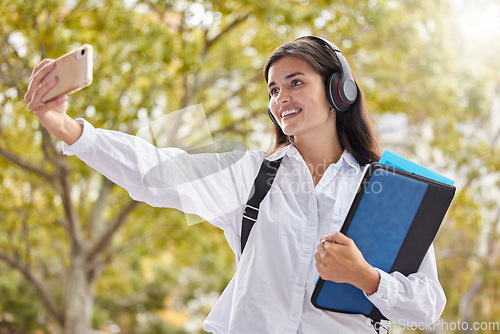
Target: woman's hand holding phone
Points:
(49, 85)
(52, 114)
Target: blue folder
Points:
(393, 220)
(392, 159)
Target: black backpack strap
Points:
(381, 326)
(379, 322)
(260, 188)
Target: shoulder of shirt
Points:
(351, 161)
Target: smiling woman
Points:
(322, 69)
(325, 141)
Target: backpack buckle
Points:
(254, 213)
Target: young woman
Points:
(322, 151)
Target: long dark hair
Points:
(353, 127)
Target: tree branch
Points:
(233, 94)
(38, 285)
(48, 146)
(465, 305)
(105, 240)
(26, 231)
(210, 42)
(21, 72)
(217, 107)
(73, 225)
(17, 160)
(96, 219)
(233, 125)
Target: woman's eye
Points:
(296, 83)
(274, 91)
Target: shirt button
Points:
(300, 283)
(295, 314)
(312, 223)
(307, 250)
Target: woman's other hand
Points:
(339, 260)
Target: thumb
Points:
(338, 237)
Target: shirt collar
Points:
(291, 151)
(348, 159)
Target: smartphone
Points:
(74, 71)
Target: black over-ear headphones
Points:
(341, 89)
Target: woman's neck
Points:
(319, 153)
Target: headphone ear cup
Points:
(332, 93)
(271, 116)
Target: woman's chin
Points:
(288, 130)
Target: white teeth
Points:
(289, 112)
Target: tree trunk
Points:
(79, 299)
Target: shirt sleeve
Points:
(417, 299)
(209, 185)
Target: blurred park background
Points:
(74, 248)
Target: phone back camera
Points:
(80, 54)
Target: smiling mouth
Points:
(290, 112)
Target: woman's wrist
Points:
(369, 280)
(70, 131)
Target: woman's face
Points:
(298, 100)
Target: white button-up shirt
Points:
(275, 277)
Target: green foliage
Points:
(19, 307)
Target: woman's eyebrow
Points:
(291, 75)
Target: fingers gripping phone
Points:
(74, 71)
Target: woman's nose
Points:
(283, 97)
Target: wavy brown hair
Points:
(353, 126)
